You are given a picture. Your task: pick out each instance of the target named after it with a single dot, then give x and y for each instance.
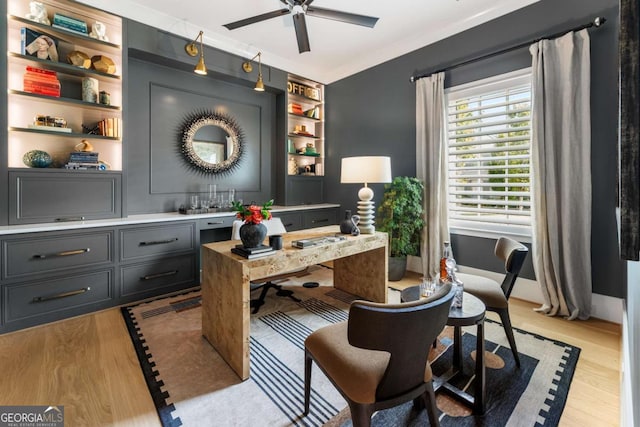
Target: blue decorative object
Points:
(37, 159)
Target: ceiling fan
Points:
(300, 8)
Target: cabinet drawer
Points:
(55, 196)
(154, 240)
(52, 299)
(216, 222)
(291, 221)
(319, 218)
(148, 278)
(54, 252)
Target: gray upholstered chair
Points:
(377, 359)
(495, 295)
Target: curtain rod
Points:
(597, 22)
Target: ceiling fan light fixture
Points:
(298, 9)
(192, 50)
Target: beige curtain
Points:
(431, 168)
(561, 173)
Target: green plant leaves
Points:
(401, 215)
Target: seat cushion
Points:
(488, 290)
(356, 371)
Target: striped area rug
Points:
(192, 386)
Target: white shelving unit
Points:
(305, 133)
(24, 105)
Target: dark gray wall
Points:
(373, 113)
(162, 91)
(159, 177)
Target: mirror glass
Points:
(212, 142)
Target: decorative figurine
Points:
(99, 31)
(38, 13)
(43, 47)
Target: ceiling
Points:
(337, 49)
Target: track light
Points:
(246, 66)
(192, 50)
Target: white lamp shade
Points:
(365, 170)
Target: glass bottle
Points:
(458, 287)
(447, 262)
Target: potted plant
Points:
(400, 215)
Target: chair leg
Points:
(429, 399)
(360, 414)
(308, 361)
(259, 302)
(506, 323)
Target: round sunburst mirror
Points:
(212, 142)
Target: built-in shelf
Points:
(64, 68)
(71, 101)
(304, 155)
(302, 116)
(63, 134)
(86, 40)
(296, 135)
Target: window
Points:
(489, 142)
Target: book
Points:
(70, 24)
(252, 256)
(256, 250)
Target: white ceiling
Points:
(337, 49)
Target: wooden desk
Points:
(360, 265)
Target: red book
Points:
(41, 71)
(38, 76)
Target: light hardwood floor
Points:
(88, 365)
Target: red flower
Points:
(253, 214)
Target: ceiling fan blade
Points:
(301, 32)
(257, 18)
(336, 15)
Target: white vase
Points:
(90, 89)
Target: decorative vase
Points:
(397, 268)
(252, 235)
(37, 159)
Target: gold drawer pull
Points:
(64, 253)
(159, 242)
(62, 295)
(320, 220)
(71, 218)
(156, 276)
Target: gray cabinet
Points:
(156, 240)
(56, 196)
(292, 221)
(55, 252)
(320, 218)
(157, 258)
(50, 276)
(46, 300)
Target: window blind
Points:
(489, 154)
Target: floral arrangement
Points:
(253, 214)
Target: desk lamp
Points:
(367, 170)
